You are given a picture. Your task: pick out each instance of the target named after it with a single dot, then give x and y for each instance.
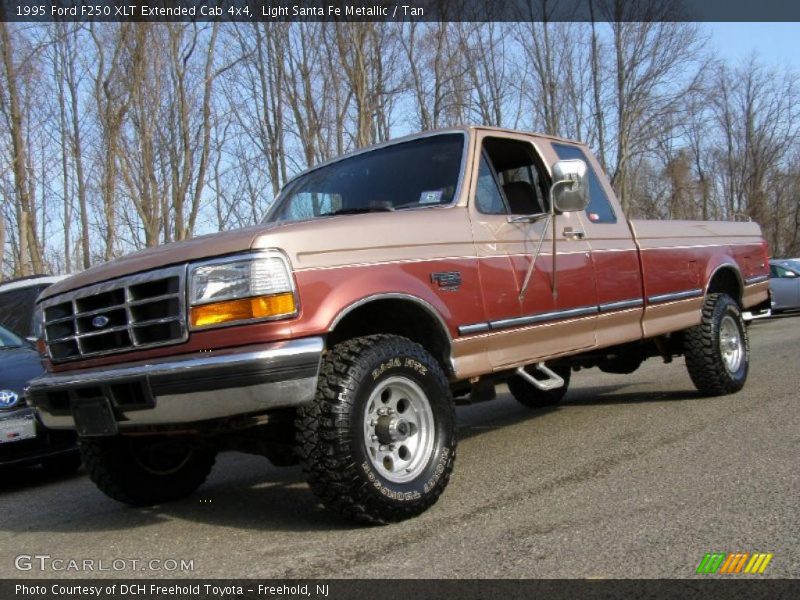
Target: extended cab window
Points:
(416, 174)
(599, 209)
(516, 168)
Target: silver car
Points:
(784, 283)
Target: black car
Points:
(23, 439)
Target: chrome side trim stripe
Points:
(538, 318)
(575, 312)
(588, 310)
(529, 320)
(756, 279)
(633, 303)
(470, 329)
(658, 299)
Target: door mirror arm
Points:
(568, 193)
(528, 218)
(571, 173)
(524, 289)
(553, 222)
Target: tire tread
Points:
(110, 470)
(701, 351)
(323, 434)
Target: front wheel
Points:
(717, 350)
(378, 442)
(147, 470)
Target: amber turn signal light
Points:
(244, 309)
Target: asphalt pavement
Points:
(632, 476)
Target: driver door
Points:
(555, 312)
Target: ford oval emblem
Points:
(100, 321)
(8, 398)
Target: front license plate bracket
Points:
(94, 417)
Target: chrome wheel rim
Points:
(730, 344)
(398, 429)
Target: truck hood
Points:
(205, 246)
(318, 243)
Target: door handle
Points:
(574, 234)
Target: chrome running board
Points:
(552, 382)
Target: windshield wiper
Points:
(355, 211)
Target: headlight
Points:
(249, 288)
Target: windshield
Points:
(415, 174)
(9, 340)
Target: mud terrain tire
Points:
(379, 441)
(144, 471)
(717, 350)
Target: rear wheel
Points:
(378, 443)
(147, 470)
(718, 351)
(531, 396)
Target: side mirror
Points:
(570, 189)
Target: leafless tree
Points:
(118, 136)
(14, 71)
(111, 46)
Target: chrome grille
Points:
(139, 311)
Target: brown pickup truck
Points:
(381, 288)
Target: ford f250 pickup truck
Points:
(380, 288)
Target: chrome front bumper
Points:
(246, 380)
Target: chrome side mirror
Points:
(570, 189)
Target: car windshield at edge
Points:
(419, 173)
(9, 340)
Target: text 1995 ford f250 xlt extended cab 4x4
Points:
(379, 287)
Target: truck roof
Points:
(464, 129)
(555, 138)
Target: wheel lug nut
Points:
(374, 438)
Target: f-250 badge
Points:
(447, 280)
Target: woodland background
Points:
(117, 136)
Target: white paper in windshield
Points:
(431, 197)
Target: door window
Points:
(599, 209)
(488, 198)
(513, 169)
